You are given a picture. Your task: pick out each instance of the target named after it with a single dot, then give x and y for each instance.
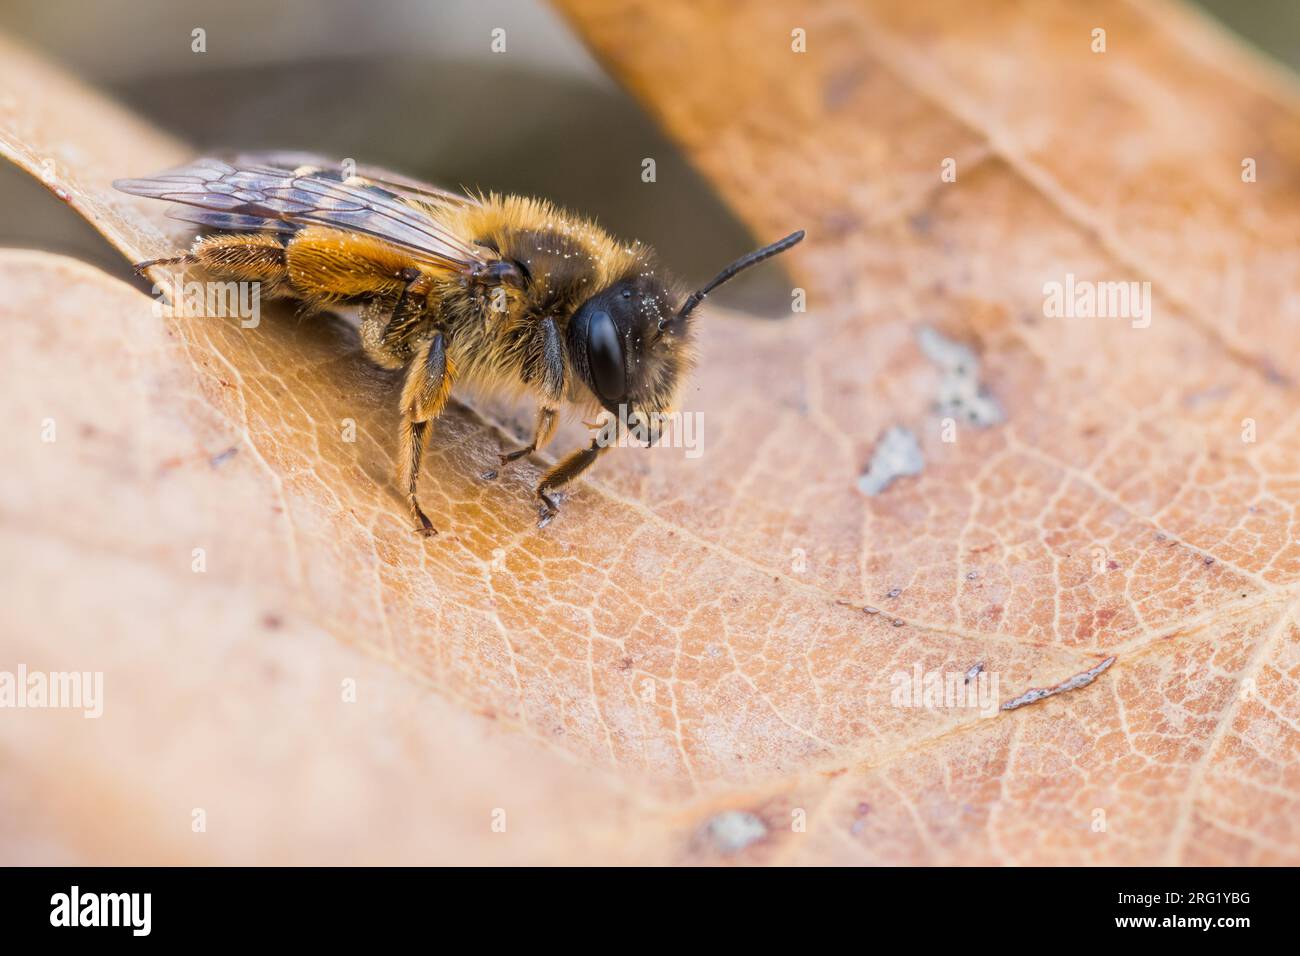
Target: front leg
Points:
(546, 368)
(563, 473)
(547, 417)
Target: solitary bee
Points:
(494, 291)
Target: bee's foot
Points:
(140, 267)
(425, 526)
(547, 509)
(509, 456)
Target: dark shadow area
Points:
(32, 218)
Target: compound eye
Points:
(605, 357)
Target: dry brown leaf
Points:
(653, 678)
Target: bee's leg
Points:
(375, 316)
(183, 259)
(413, 437)
(384, 328)
(424, 394)
(411, 306)
(563, 473)
(242, 257)
(547, 370)
(547, 418)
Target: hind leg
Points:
(242, 257)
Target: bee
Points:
(505, 293)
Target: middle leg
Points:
(385, 325)
(424, 395)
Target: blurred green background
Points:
(1272, 26)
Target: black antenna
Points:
(740, 265)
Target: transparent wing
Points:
(387, 179)
(254, 196)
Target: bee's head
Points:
(632, 346)
(618, 350)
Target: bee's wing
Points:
(258, 197)
(393, 182)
